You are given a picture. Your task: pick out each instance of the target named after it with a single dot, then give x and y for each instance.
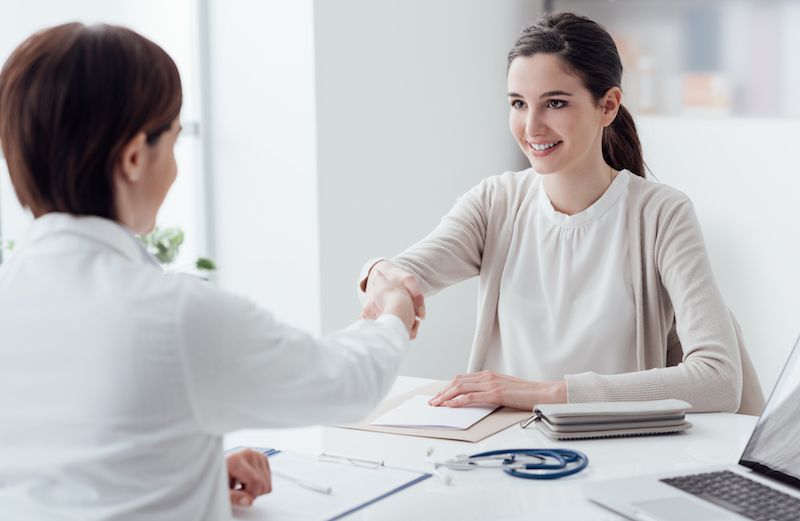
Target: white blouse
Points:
(117, 381)
(566, 301)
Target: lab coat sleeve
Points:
(245, 369)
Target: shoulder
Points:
(511, 181)
(505, 189)
(199, 301)
(655, 201)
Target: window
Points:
(174, 26)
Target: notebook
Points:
(573, 421)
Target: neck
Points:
(576, 190)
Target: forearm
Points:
(707, 387)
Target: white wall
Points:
(411, 112)
(263, 160)
(743, 177)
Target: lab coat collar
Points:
(98, 229)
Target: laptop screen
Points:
(774, 447)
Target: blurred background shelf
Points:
(726, 57)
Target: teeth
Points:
(543, 146)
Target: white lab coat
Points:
(117, 381)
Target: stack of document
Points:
(416, 413)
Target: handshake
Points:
(392, 290)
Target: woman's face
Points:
(556, 121)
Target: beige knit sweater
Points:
(688, 345)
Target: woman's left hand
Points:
(489, 387)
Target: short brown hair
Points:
(71, 97)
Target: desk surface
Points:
(717, 438)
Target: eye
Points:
(556, 104)
(517, 104)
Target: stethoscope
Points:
(520, 463)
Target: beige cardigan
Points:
(688, 345)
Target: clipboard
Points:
(355, 484)
(495, 422)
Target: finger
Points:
(461, 379)
(456, 380)
(264, 462)
(415, 329)
(456, 390)
(240, 468)
(412, 285)
(371, 311)
(241, 498)
(480, 397)
(257, 461)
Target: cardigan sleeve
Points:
(709, 376)
(452, 252)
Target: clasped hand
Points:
(391, 289)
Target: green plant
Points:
(165, 244)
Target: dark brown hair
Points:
(589, 51)
(71, 97)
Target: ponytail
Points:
(621, 147)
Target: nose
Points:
(534, 123)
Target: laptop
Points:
(765, 485)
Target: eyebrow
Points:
(545, 95)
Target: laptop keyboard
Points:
(744, 496)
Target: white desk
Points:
(493, 495)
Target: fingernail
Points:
(244, 501)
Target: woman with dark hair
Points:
(117, 381)
(595, 284)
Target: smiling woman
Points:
(595, 284)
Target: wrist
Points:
(401, 307)
(558, 391)
(365, 280)
(550, 392)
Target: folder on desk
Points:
(495, 422)
(353, 485)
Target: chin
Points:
(542, 169)
(145, 229)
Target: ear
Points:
(132, 157)
(610, 104)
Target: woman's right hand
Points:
(391, 289)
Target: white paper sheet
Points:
(416, 413)
(351, 487)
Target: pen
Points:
(316, 487)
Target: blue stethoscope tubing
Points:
(566, 462)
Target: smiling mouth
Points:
(541, 147)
